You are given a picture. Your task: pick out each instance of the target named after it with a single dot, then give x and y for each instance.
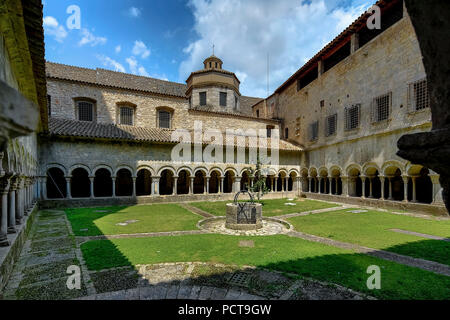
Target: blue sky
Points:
(169, 39)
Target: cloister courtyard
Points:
(162, 251)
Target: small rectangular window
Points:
(381, 108)
(352, 117)
(322, 103)
(331, 125)
(126, 116)
(257, 113)
(202, 98)
(164, 120)
(85, 111)
(223, 99)
(418, 97)
(314, 131)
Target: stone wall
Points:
(63, 94)
(387, 64)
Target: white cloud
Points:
(140, 49)
(110, 63)
(90, 39)
(136, 68)
(52, 28)
(118, 49)
(244, 31)
(134, 12)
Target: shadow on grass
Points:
(346, 269)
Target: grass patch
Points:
(271, 208)
(150, 218)
(372, 229)
(282, 253)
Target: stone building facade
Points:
(111, 137)
(348, 107)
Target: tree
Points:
(259, 186)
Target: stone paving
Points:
(422, 235)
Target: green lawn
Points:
(282, 253)
(372, 229)
(271, 208)
(151, 218)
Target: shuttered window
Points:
(331, 124)
(352, 117)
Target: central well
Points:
(244, 216)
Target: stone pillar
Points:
(221, 184)
(133, 194)
(251, 181)
(275, 182)
(310, 184)
(12, 206)
(207, 185)
(283, 184)
(237, 184)
(382, 180)
(18, 193)
(437, 190)
(371, 187)
(405, 188)
(114, 187)
(155, 182)
(330, 182)
(390, 189)
(4, 187)
(68, 190)
(345, 186)
(336, 186)
(191, 185)
(363, 186)
(91, 186)
(414, 190)
(175, 185)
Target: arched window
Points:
(85, 109)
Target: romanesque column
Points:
(271, 184)
(437, 189)
(91, 187)
(390, 188)
(336, 185)
(12, 205)
(405, 188)
(251, 181)
(114, 186)
(237, 184)
(221, 184)
(156, 185)
(371, 187)
(414, 190)
(382, 180)
(330, 182)
(207, 185)
(345, 186)
(69, 192)
(275, 182)
(283, 184)
(191, 185)
(18, 200)
(4, 187)
(363, 186)
(134, 187)
(175, 185)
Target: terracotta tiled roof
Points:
(115, 79)
(92, 130)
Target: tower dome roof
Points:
(213, 62)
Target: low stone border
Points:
(82, 239)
